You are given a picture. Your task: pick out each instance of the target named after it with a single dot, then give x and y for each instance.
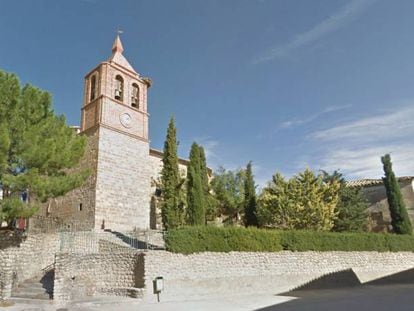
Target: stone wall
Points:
(75, 210)
(22, 258)
(238, 273)
(378, 208)
(82, 275)
(123, 182)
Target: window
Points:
(80, 207)
(135, 96)
(119, 88)
(93, 88)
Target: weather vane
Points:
(119, 31)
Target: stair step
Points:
(29, 290)
(31, 285)
(30, 301)
(34, 289)
(41, 296)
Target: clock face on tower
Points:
(125, 119)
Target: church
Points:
(120, 193)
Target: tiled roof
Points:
(372, 182)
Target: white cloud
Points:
(389, 125)
(366, 162)
(329, 25)
(300, 121)
(356, 147)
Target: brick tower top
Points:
(115, 96)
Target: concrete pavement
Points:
(231, 303)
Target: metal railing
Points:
(43, 224)
(109, 241)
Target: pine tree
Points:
(37, 149)
(250, 204)
(351, 207)
(171, 210)
(196, 214)
(400, 221)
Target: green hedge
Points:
(214, 239)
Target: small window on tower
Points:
(135, 96)
(80, 207)
(93, 87)
(119, 88)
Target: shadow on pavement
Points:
(342, 291)
(341, 279)
(403, 277)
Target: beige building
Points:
(376, 195)
(120, 193)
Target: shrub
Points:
(214, 239)
(201, 239)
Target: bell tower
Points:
(115, 96)
(115, 120)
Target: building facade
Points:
(120, 193)
(378, 210)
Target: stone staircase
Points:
(40, 287)
(148, 239)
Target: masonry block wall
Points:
(75, 210)
(123, 182)
(81, 275)
(22, 258)
(379, 208)
(239, 273)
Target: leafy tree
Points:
(196, 214)
(250, 204)
(400, 221)
(37, 149)
(303, 202)
(171, 209)
(352, 205)
(228, 190)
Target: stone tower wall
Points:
(123, 185)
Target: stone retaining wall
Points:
(116, 270)
(81, 275)
(238, 273)
(22, 258)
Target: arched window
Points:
(135, 96)
(119, 88)
(93, 87)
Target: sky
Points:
(286, 84)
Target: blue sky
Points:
(325, 84)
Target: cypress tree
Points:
(400, 221)
(171, 211)
(250, 204)
(203, 170)
(195, 191)
(210, 203)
